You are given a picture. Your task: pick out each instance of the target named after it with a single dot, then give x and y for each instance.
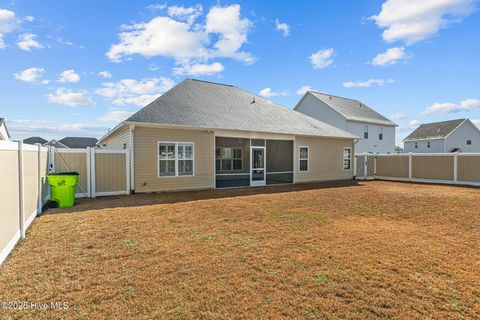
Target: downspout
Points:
(355, 141)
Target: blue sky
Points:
(76, 68)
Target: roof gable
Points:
(352, 110)
(435, 130)
(195, 103)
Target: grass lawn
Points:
(316, 251)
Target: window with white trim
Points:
(380, 133)
(365, 132)
(229, 159)
(303, 156)
(347, 158)
(175, 159)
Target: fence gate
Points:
(365, 166)
(102, 172)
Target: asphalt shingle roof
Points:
(353, 110)
(33, 140)
(434, 130)
(78, 142)
(210, 105)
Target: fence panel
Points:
(74, 160)
(111, 172)
(370, 166)
(468, 168)
(433, 167)
(360, 166)
(31, 185)
(392, 166)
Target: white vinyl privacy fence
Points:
(24, 187)
(450, 168)
(23, 190)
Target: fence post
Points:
(410, 166)
(365, 172)
(21, 206)
(374, 166)
(91, 173)
(39, 169)
(455, 167)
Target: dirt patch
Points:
(318, 251)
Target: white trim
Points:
(9, 247)
(343, 158)
(455, 167)
(258, 183)
(468, 183)
(132, 158)
(97, 150)
(127, 171)
(89, 171)
(21, 189)
(283, 172)
(111, 193)
(176, 159)
(66, 150)
(300, 158)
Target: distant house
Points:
(67, 142)
(376, 131)
(4, 135)
(35, 140)
(459, 135)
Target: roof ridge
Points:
(211, 82)
(459, 119)
(332, 95)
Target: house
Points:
(459, 135)
(35, 140)
(4, 135)
(67, 142)
(376, 131)
(203, 135)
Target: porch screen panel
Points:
(279, 161)
(232, 162)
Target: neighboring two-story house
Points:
(460, 135)
(377, 132)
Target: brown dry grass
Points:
(372, 250)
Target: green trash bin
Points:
(62, 188)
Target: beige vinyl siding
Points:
(325, 159)
(392, 166)
(146, 159)
(118, 139)
(77, 162)
(9, 196)
(468, 168)
(30, 182)
(110, 173)
(432, 167)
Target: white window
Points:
(175, 159)
(229, 159)
(303, 156)
(347, 158)
(380, 134)
(365, 132)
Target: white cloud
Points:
(413, 21)
(8, 23)
(105, 74)
(391, 56)
(68, 76)
(29, 75)
(141, 100)
(322, 58)
(398, 116)
(304, 89)
(199, 69)
(27, 42)
(176, 36)
(138, 92)
(115, 116)
(187, 14)
(447, 107)
(157, 6)
(268, 92)
(70, 98)
(48, 129)
(368, 83)
(413, 124)
(282, 27)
